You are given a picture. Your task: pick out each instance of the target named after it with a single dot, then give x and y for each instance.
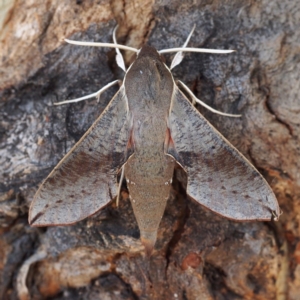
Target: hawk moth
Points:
(146, 129)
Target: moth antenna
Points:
(179, 55)
(201, 50)
(103, 45)
(97, 95)
(120, 185)
(196, 100)
(119, 56)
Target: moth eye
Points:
(90, 149)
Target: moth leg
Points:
(179, 55)
(275, 215)
(119, 56)
(120, 186)
(97, 94)
(196, 100)
(22, 276)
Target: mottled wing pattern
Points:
(219, 177)
(85, 179)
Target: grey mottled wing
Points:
(85, 179)
(219, 177)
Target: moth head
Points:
(148, 51)
(148, 79)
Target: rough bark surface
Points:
(198, 255)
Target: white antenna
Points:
(109, 45)
(201, 50)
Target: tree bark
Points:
(198, 255)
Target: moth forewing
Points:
(85, 179)
(219, 176)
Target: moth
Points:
(146, 129)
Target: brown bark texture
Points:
(198, 254)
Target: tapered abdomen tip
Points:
(148, 240)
